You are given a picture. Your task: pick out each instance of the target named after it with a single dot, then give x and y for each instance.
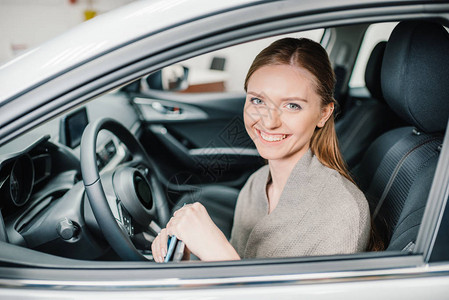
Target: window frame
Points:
(355, 267)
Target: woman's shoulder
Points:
(339, 187)
(344, 204)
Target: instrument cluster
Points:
(20, 173)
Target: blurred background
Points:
(25, 24)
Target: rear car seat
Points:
(361, 124)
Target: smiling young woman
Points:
(312, 66)
(303, 202)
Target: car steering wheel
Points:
(126, 199)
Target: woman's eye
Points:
(256, 101)
(293, 106)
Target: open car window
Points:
(188, 155)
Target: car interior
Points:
(181, 146)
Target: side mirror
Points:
(176, 78)
(172, 78)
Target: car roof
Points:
(101, 35)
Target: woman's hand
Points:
(192, 225)
(159, 246)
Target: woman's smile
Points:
(271, 138)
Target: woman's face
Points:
(282, 111)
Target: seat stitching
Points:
(395, 173)
(421, 166)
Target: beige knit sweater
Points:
(320, 212)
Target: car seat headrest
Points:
(372, 72)
(415, 74)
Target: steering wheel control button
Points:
(128, 224)
(67, 229)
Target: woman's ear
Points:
(326, 113)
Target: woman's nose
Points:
(272, 119)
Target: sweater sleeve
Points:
(237, 236)
(248, 210)
(344, 236)
(348, 223)
(333, 220)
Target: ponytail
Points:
(324, 145)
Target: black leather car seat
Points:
(397, 170)
(361, 124)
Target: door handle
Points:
(166, 109)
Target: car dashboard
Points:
(43, 203)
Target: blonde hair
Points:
(309, 55)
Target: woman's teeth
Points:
(272, 137)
